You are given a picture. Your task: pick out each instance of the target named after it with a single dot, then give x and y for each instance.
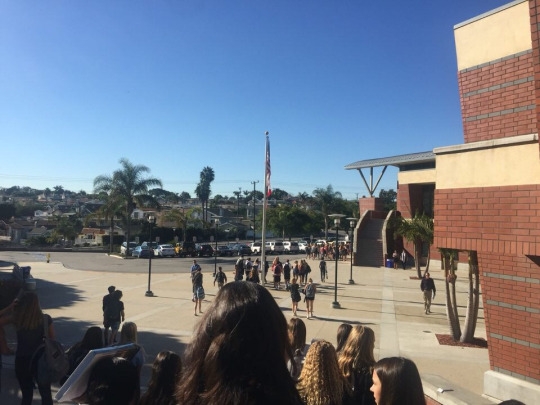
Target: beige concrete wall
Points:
(417, 176)
(493, 35)
(499, 166)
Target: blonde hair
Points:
(320, 381)
(128, 333)
(357, 352)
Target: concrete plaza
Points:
(387, 300)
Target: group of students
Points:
(348, 373)
(30, 323)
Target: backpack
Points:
(310, 291)
(52, 361)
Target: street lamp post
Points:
(152, 221)
(337, 220)
(216, 223)
(352, 223)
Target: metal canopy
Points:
(403, 162)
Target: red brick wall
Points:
(370, 203)
(498, 99)
(534, 12)
(502, 225)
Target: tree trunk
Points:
(451, 310)
(428, 261)
(111, 236)
(417, 259)
(473, 299)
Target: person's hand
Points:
(433, 295)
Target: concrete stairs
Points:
(370, 244)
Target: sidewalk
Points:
(387, 300)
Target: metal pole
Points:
(352, 222)
(149, 293)
(335, 304)
(215, 252)
(254, 182)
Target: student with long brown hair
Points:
(355, 362)
(28, 320)
(239, 351)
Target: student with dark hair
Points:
(396, 381)
(93, 339)
(113, 381)
(239, 352)
(297, 334)
(165, 374)
(106, 323)
(342, 334)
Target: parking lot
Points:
(116, 263)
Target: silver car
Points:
(165, 250)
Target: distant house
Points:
(90, 236)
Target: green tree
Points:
(389, 198)
(278, 194)
(130, 187)
(7, 210)
(203, 190)
(325, 200)
(287, 220)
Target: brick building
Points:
(486, 191)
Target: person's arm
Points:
(122, 315)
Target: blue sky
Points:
(179, 85)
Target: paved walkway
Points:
(387, 300)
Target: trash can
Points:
(389, 263)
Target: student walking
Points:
(310, 297)
(427, 285)
(220, 277)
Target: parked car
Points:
(204, 250)
(142, 251)
(165, 250)
(255, 247)
(224, 250)
(241, 249)
(275, 247)
(184, 249)
(291, 247)
(151, 245)
(302, 247)
(123, 248)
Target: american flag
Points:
(268, 171)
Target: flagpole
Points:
(265, 203)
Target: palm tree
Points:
(203, 190)
(111, 209)
(130, 187)
(325, 200)
(417, 230)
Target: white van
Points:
(275, 247)
(291, 247)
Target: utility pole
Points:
(254, 182)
